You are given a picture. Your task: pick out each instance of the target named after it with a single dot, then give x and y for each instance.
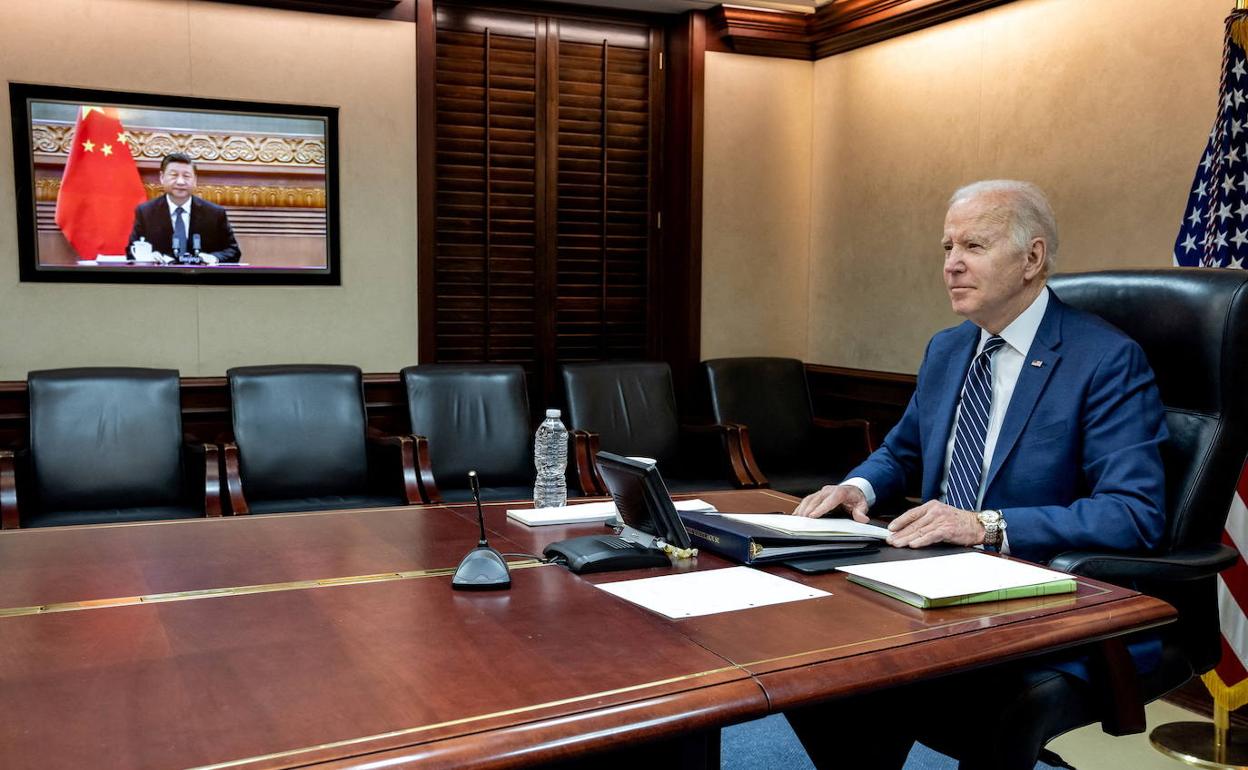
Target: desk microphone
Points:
(483, 569)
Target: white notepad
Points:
(961, 578)
(690, 594)
(586, 513)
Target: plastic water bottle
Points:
(550, 455)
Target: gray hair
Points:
(1031, 216)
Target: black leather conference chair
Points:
(629, 408)
(1193, 326)
(471, 417)
(784, 445)
(106, 446)
(301, 443)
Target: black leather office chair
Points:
(471, 417)
(301, 443)
(1193, 326)
(784, 445)
(629, 408)
(106, 446)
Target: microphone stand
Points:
(483, 569)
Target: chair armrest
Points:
(203, 472)
(742, 434)
(855, 424)
(730, 443)
(428, 486)
(233, 482)
(402, 449)
(585, 463)
(1179, 566)
(10, 516)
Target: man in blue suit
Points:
(1034, 429)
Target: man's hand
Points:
(209, 258)
(163, 259)
(845, 497)
(934, 522)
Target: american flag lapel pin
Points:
(1037, 363)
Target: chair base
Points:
(1201, 744)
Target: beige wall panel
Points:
(896, 126)
(1105, 104)
(756, 206)
(366, 67)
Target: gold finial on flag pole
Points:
(1241, 5)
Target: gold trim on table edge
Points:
(208, 593)
(476, 718)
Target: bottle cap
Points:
(552, 412)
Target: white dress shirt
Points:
(186, 218)
(1007, 363)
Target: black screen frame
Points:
(21, 94)
(642, 499)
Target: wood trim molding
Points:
(426, 167)
(849, 24)
(836, 27)
(679, 274)
(782, 34)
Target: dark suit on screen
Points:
(1077, 464)
(208, 220)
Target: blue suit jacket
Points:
(1077, 464)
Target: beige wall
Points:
(366, 67)
(1105, 104)
(756, 206)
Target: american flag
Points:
(1214, 234)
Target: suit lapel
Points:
(949, 390)
(1031, 381)
(162, 227)
(195, 221)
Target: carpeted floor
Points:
(769, 744)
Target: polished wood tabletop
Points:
(296, 639)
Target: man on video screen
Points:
(180, 226)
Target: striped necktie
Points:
(966, 469)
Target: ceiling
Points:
(680, 6)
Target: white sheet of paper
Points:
(583, 513)
(955, 575)
(801, 525)
(690, 594)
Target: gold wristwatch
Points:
(994, 528)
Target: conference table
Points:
(333, 639)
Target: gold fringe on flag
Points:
(1229, 698)
(1239, 30)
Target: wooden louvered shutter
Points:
(543, 237)
(486, 237)
(602, 220)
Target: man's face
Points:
(178, 179)
(985, 273)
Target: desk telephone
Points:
(602, 553)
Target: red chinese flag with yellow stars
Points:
(101, 186)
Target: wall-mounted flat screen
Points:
(124, 187)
